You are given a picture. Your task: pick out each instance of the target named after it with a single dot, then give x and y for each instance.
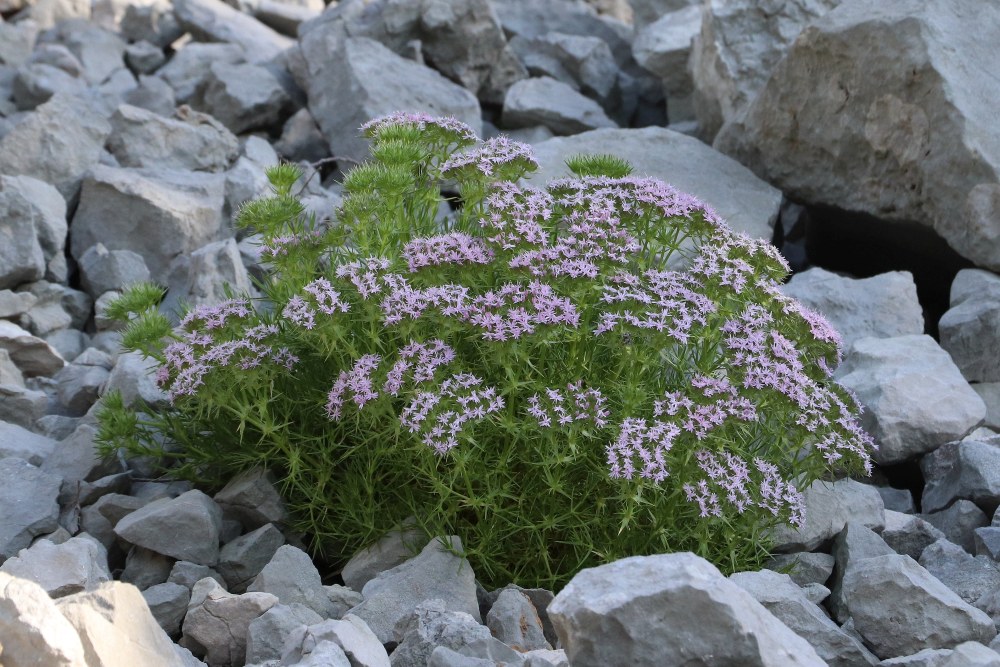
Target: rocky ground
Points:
(860, 137)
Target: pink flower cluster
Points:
(442, 415)
(420, 360)
(327, 300)
(188, 361)
(729, 478)
(421, 120)
(575, 404)
(516, 216)
(668, 301)
(491, 155)
(358, 381)
(280, 245)
(216, 317)
(455, 249)
(645, 443)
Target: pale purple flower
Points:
(492, 154)
(455, 249)
(358, 381)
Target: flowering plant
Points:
(560, 376)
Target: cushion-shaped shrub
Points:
(560, 376)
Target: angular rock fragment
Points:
(186, 527)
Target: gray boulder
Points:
(586, 64)
(102, 270)
(882, 306)
(28, 496)
(32, 355)
(829, 507)
(737, 49)
(908, 534)
(554, 104)
(968, 469)
(897, 500)
(987, 542)
(877, 143)
(968, 654)
(789, 604)
(154, 23)
(244, 96)
(79, 387)
(153, 94)
(145, 568)
(393, 548)
(990, 393)
(664, 48)
(243, 558)
(179, 212)
(78, 564)
(187, 71)
(915, 396)
(267, 633)
(186, 527)
(430, 625)
(216, 625)
(804, 567)
(132, 375)
(215, 21)
(748, 204)
(251, 497)
(958, 522)
(191, 141)
(16, 441)
(462, 38)
(669, 609)
(514, 620)
(168, 603)
(58, 144)
(34, 229)
(351, 634)
(143, 57)
(362, 80)
(33, 630)
(301, 139)
(926, 613)
(116, 627)
(854, 544)
(971, 577)
(434, 573)
(187, 574)
(293, 578)
(970, 330)
(202, 277)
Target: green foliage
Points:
(599, 165)
(523, 372)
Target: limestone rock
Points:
(215, 21)
(926, 613)
(186, 527)
(28, 496)
(876, 131)
(33, 630)
(434, 573)
(829, 507)
(882, 306)
(554, 104)
(193, 141)
(915, 397)
(78, 564)
(669, 609)
(970, 330)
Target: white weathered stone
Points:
(32, 629)
(219, 621)
(584, 63)
(34, 229)
(915, 397)
(244, 96)
(882, 306)
(876, 132)
(664, 48)
(292, 577)
(23, 444)
(967, 469)
(117, 629)
(351, 634)
(669, 609)
(187, 71)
